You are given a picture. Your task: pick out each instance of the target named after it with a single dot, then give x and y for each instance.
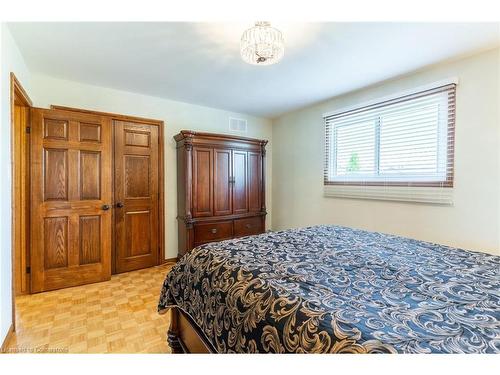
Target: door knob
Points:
(119, 205)
(106, 207)
(214, 231)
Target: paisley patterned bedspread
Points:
(330, 289)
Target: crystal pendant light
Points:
(262, 44)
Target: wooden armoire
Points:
(220, 187)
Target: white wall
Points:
(473, 222)
(11, 61)
(176, 115)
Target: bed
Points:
(331, 289)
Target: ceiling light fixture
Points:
(262, 44)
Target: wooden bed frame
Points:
(184, 336)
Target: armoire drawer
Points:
(208, 232)
(247, 226)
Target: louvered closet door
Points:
(136, 196)
(71, 186)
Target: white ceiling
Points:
(199, 62)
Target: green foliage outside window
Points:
(353, 165)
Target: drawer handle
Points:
(214, 230)
(248, 226)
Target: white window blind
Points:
(407, 141)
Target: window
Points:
(402, 141)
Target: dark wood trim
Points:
(183, 134)
(17, 93)
(161, 166)
(184, 336)
(450, 172)
(115, 116)
(193, 220)
(169, 260)
(7, 339)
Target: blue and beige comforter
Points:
(330, 289)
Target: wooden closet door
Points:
(70, 199)
(255, 184)
(203, 204)
(136, 196)
(240, 184)
(222, 182)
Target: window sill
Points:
(429, 195)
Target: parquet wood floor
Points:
(116, 316)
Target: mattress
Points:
(331, 289)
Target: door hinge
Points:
(28, 269)
(28, 130)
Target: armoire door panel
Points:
(202, 182)
(254, 181)
(136, 196)
(70, 183)
(240, 186)
(222, 182)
